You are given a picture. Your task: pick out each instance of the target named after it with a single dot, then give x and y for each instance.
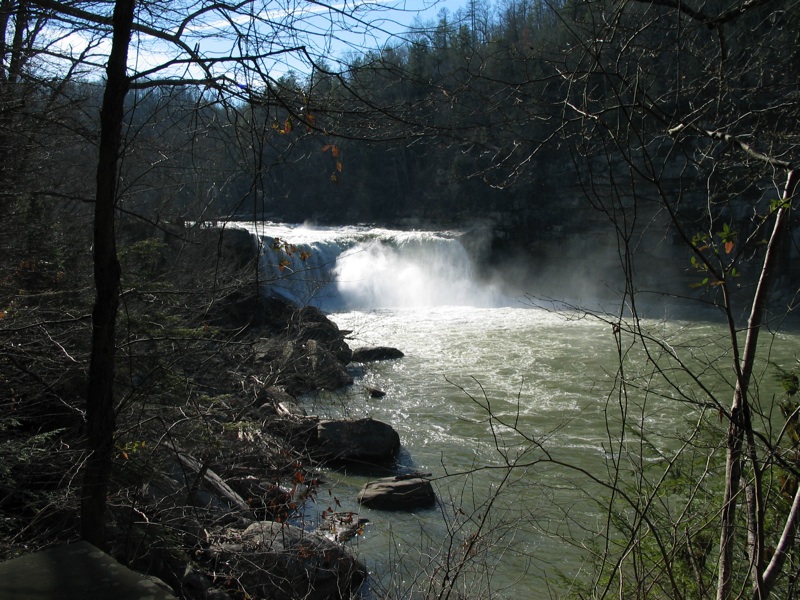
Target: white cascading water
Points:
(360, 268)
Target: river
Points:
(488, 380)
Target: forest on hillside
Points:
(456, 119)
(431, 126)
(132, 133)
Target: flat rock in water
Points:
(75, 572)
(374, 392)
(398, 493)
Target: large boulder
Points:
(284, 562)
(364, 440)
(375, 354)
(398, 493)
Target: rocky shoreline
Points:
(214, 460)
(228, 524)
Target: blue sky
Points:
(382, 21)
(330, 29)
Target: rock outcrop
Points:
(284, 562)
(299, 349)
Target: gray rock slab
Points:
(75, 572)
(398, 493)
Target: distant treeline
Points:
(462, 118)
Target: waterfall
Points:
(361, 268)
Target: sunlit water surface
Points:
(533, 369)
(547, 375)
(486, 381)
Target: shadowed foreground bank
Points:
(75, 572)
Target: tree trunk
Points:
(740, 410)
(100, 415)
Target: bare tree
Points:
(234, 54)
(681, 121)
